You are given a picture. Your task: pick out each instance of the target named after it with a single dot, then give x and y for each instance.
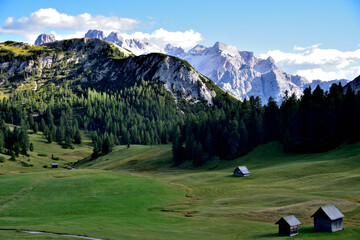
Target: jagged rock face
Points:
(91, 64)
(173, 51)
(241, 73)
(136, 46)
(116, 38)
(178, 79)
(45, 38)
(93, 33)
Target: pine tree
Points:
(31, 148)
(17, 148)
(35, 128)
(77, 137)
(106, 146)
(12, 155)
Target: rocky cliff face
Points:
(44, 38)
(243, 75)
(240, 73)
(93, 33)
(136, 46)
(94, 62)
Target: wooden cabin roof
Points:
(290, 220)
(243, 169)
(331, 211)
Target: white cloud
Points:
(161, 37)
(65, 26)
(296, 48)
(50, 18)
(318, 73)
(316, 63)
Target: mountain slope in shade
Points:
(355, 84)
(45, 38)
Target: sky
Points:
(316, 39)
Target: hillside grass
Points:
(22, 48)
(42, 155)
(137, 193)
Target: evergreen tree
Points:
(77, 137)
(106, 146)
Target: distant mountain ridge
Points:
(238, 72)
(137, 46)
(243, 75)
(98, 63)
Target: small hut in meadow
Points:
(54, 165)
(328, 219)
(241, 171)
(288, 226)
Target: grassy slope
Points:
(144, 197)
(66, 156)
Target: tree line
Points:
(146, 113)
(317, 121)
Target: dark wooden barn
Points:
(328, 219)
(288, 226)
(54, 165)
(241, 171)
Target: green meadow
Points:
(137, 193)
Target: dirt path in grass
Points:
(21, 193)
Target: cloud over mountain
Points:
(317, 63)
(50, 18)
(66, 26)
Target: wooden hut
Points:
(288, 226)
(54, 165)
(328, 219)
(241, 171)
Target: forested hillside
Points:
(317, 121)
(66, 93)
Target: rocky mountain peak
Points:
(116, 38)
(226, 49)
(174, 51)
(45, 38)
(197, 49)
(93, 33)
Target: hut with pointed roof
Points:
(241, 171)
(328, 219)
(288, 226)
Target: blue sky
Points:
(315, 38)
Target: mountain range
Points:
(238, 72)
(98, 63)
